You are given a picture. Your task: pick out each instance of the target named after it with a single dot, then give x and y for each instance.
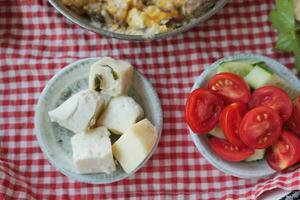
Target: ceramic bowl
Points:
(256, 169)
(86, 23)
(55, 140)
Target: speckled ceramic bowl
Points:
(55, 140)
(86, 23)
(257, 169)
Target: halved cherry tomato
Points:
(228, 151)
(230, 120)
(203, 110)
(231, 87)
(260, 127)
(285, 152)
(275, 98)
(294, 121)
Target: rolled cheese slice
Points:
(79, 112)
(134, 145)
(92, 152)
(110, 76)
(120, 114)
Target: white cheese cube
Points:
(134, 145)
(92, 152)
(120, 114)
(79, 112)
(110, 76)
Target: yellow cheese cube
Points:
(134, 146)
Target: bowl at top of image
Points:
(254, 169)
(95, 17)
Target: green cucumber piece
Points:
(258, 77)
(241, 68)
(217, 132)
(258, 155)
(263, 65)
(261, 76)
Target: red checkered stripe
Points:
(36, 42)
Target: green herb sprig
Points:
(283, 20)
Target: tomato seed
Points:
(258, 117)
(221, 82)
(228, 83)
(266, 115)
(265, 139)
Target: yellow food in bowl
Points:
(138, 17)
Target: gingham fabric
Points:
(36, 42)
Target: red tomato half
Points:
(272, 97)
(230, 120)
(285, 152)
(228, 151)
(294, 122)
(260, 127)
(202, 110)
(231, 87)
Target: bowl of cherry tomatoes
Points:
(243, 115)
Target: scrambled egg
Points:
(132, 16)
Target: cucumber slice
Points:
(263, 65)
(258, 77)
(261, 76)
(279, 82)
(241, 68)
(217, 132)
(258, 155)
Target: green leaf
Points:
(98, 82)
(113, 72)
(282, 17)
(297, 54)
(285, 42)
(286, 6)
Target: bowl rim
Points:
(198, 140)
(38, 129)
(107, 33)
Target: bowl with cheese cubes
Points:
(98, 120)
(243, 116)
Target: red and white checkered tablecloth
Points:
(36, 42)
